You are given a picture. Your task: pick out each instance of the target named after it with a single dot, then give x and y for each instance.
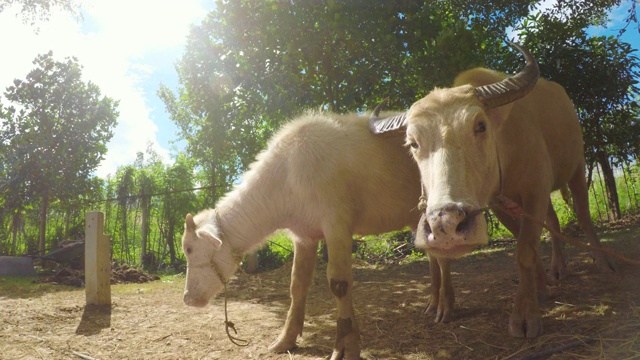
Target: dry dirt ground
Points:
(588, 316)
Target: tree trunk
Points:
(124, 244)
(212, 183)
(610, 184)
(144, 224)
(67, 221)
(43, 224)
(15, 226)
(171, 241)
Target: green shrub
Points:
(277, 252)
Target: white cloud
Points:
(113, 43)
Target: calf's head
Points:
(452, 134)
(210, 261)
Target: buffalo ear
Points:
(189, 224)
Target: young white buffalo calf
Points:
(321, 176)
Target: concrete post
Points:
(97, 261)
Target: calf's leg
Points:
(340, 277)
(304, 261)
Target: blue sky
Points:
(616, 22)
(128, 48)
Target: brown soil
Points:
(588, 316)
(120, 274)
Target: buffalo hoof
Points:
(525, 327)
(340, 355)
(557, 273)
(603, 262)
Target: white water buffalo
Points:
(481, 140)
(321, 176)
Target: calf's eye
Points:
(413, 144)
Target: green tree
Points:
(125, 178)
(252, 64)
(55, 133)
(148, 181)
(177, 180)
(38, 10)
(600, 75)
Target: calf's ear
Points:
(207, 232)
(189, 224)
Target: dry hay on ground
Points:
(590, 315)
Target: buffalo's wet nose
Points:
(451, 219)
(468, 220)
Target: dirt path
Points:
(597, 315)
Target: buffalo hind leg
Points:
(578, 186)
(304, 261)
(442, 294)
(558, 269)
(340, 278)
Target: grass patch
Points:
(26, 287)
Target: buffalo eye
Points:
(480, 127)
(187, 250)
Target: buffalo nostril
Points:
(468, 221)
(464, 225)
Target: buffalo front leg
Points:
(304, 261)
(526, 319)
(340, 277)
(442, 294)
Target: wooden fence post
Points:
(97, 261)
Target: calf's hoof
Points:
(282, 345)
(443, 313)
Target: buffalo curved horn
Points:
(511, 88)
(389, 125)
